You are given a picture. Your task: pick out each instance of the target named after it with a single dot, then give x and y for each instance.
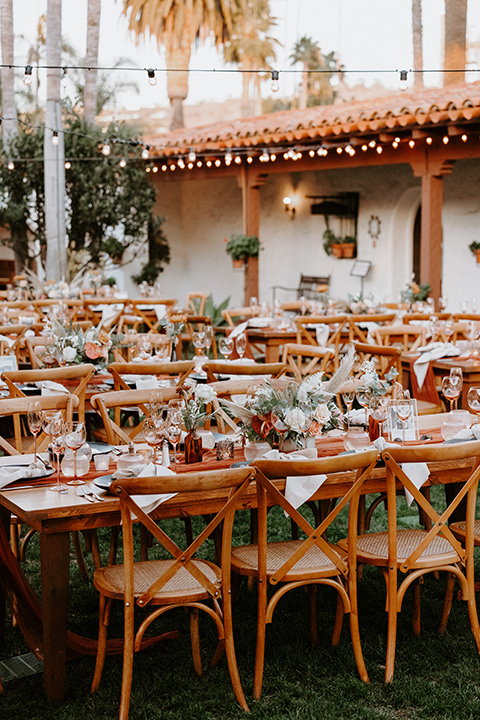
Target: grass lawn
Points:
(435, 676)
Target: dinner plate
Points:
(104, 481)
(242, 463)
(100, 448)
(27, 480)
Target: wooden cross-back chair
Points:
(412, 553)
(193, 323)
(288, 564)
(407, 337)
(195, 302)
(177, 371)
(181, 581)
(126, 350)
(147, 314)
(74, 377)
(409, 318)
(105, 402)
(337, 325)
(385, 358)
(234, 316)
(74, 306)
(14, 333)
(355, 322)
(304, 360)
(239, 369)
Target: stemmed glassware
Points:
(144, 349)
(153, 434)
(254, 305)
(473, 399)
(35, 422)
(348, 396)
(225, 346)
(174, 432)
(75, 436)
(279, 426)
(404, 410)
(57, 443)
(451, 389)
(457, 372)
(363, 400)
(208, 333)
(241, 345)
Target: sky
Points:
(367, 36)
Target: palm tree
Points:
(417, 34)
(455, 40)
(252, 49)
(307, 52)
(91, 60)
(177, 24)
(9, 111)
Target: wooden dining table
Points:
(54, 516)
(272, 340)
(470, 369)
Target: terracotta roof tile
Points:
(430, 106)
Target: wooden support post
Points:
(251, 182)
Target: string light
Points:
(151, 77)
(238, 159)
(464, 138)
(273, 157)
(68, 165)
(199, 163)
(429, 140)
(264, 157)
(372, 143)
(27, 78)
(394, 144)
(208, 163)
(411, 144)
(11, 165)
(146, 152)
(379, 149)
(106, 149)
(55, 138)
(218, 162)
(191, 156)
(228, 158)
(311, 153)
(445, 139)
(190, 165)
(155, 168)
(173, 167)
(339, 150)
(364, 148)
(164, 168)
(181, 163)
(249, 159)
(147, 169)
(122, 162)
(403, 80)
(275, 85)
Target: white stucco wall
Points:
(201, 213)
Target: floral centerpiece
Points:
(370, 393)
(71, 345)
(361, 304)
(194, 413)
(415, 293)
(174, 326)
(292, 411)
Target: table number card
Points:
(395, 425)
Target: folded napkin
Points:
(239, 329)
(148, 503)
(432, 351)
(298, 488)
(208, 439)
(471, 433)
(417, 473)
(148, 383)
(11, 473)
(48, 387)
(322, 331)
(260, 322)
(160, 311)
(357, 417)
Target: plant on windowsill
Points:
(339, 247)
(349, 246)
(474, 247)
(241, 247)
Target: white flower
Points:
(369, 378)
(295, 420)
(69, 354)
(322, 414)
(90, 335)
(302, 394)
(204, 393)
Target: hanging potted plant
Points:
(349, 246)
(475, 249)
(241, 247)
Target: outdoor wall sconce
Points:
(289, 208)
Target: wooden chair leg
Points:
(447, 605)
(23, 545)
(112, 556)
(104, 618)
(416, 616)
(230, 652)
(260, 647)
(128, 650)
(337, 627)
(79, 555)
(354, 628)
(195, 640)
(392, 624)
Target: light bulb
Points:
(411, 144)
(403, 80)
(151, 77)
(191, 156)
(27, 78)
(287, 201)
(249, 159)
(218, 162)
(238, 160)
(429, 140)
(122, 162)
(275, 86)
(106, 149)
(228, 158)
(68, 165)
(445, 139)
(164, 168)
(264, 157)
(155, 169)
(55, 138)
(11, 165)
(464, 138)
(181, 163)
(379, 149)
(208, 163)
(145, 152)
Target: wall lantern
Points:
(289, 208)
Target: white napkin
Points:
(239, 329)
(417, 473)
(208, 440)
(109, 312)
(322, 332)
(471, 433)
(12, 473)
(260, 322)
(298, 488)
(48, 387)
(148, 383)
(160, 311)
(357, 417)
(148, 503)
(432, 351)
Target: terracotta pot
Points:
(337, 250)
(237, 264)
(193, 447)
(477, 255)
(348, 250)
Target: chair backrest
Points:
(146, 309)
(311, 285)
(196, 308)
(231, 484)
(74, 377)
(358, 466)
(396, 463)
(214, 368)
(424, 317)
(126, 350)
(36, 346)
(384, 356)
(357, 323)
(179, 371)
(74, 306)
(104, 402)
(337, 324)
(407, 337)
(15, 334)
(233, 316)
(17, 408)
(304, 360)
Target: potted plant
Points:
(349, 246)
(331, 243)
(241, 247)
(475, 249)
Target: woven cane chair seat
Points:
(375, 546)
(314, 561)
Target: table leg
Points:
(55, 576)
(5, 520)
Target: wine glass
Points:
(144, 349)
(208, 332)
(153, 436)
(174, 432)
(348, 396)
(442, 303)
(225, 346)
(363, 400)
(457, 372)
(161, 348)
(404, 410)
(156, 403)
(57, 443)
(305, 424)
(35, 421)
(254, 304)
(75, 436)
(451, 389)
(198, 340)
(473, 399)
(279, 426)
(241, 345)
(448, 330)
